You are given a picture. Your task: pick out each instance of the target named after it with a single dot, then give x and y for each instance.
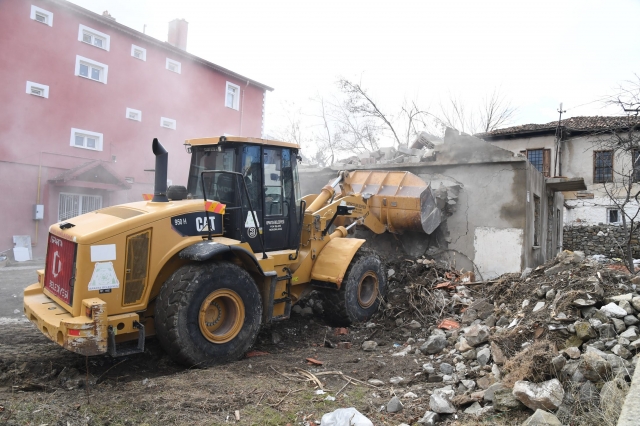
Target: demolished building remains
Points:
(500, 214)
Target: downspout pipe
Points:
(162, 160)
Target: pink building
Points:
(84, 96)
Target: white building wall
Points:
(595, 211)
(498, 251)
(577, 161)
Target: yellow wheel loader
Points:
(203, 267)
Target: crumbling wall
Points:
(486, 195)
(608, 240)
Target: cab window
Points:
(218, 186)
(273, 182)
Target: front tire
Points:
(363, 287)
(208, 314)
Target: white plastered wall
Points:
(594, 211)
(497, 251)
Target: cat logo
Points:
(201, 224)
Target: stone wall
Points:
(598, 239)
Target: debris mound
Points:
(558, 333)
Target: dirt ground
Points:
(41, 383)
(150, 389)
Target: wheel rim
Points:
(221, 316)
(367, 289)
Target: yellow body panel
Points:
(216, 140)
(334, 259)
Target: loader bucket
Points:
(400, 200)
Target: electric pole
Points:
(557, 164)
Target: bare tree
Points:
(621, 171)
(493, 112)
(292, 130)
(626, 96)
(455, 114)
(328, 140)
(363, 117)
(359, 103)
(619, 166)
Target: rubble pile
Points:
(561, 340)
(421, 150)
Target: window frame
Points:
(135, 111)
(38, 10)
(96, 64)
(635, 156)
(142, 49)
(173, 122)
(176, 63)
(80, 196)
(236, 101)
(43, 87)
(545, 158)
(94, 33)
(537, 221)
(279, 172)
(80, 132)
(609, 210)
(595, 167)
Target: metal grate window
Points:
(602, 166)
(535, 158)
(541, 160)
(72, 205)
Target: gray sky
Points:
(540, 53)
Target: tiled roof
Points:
(581, 124)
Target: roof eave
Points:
(155, 41)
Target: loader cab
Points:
(266, 179)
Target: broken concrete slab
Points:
(546, 395)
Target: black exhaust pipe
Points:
(160, 186)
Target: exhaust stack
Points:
(160, 185)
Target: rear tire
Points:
(363, 287)
(208, 314)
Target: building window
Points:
(613, 216)
(41, 15)
(602, 166)
(86, 139)
(635, 157)
(174, 66)
(72, 205)
(37, 89)
(139, 52)
(94, 37)
(134, 114)
(92, 70)
(558, 229)
(541, 160)
(232, 97)
(168, 123)
(536, 221)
